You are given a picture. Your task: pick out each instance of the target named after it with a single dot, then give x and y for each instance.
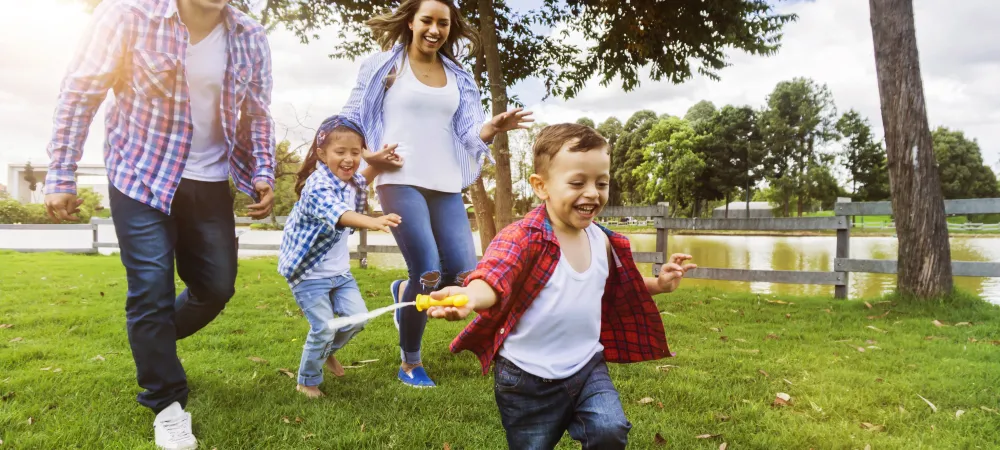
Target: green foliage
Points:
(670, 168)
(91, 204)
(626, 39)
(799, 117)
(240, 200)
(703, 110)
(864, 158)
(586, 121)
(733, 151)
(13, 211)
(287, 162)
(961, 168)
(821, 188)
(628, 154)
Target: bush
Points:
(984, 218)
(13, 211)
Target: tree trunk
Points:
(802, 186)
(727, 205)
(748, 183)
(480, 198)
(917, 202)
(498, 94)
(788, 201)
(484, 213)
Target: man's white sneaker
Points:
(172, 428)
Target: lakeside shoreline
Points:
(830, 233)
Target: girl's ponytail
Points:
(307, 168)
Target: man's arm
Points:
(91, 73)
(257, 109)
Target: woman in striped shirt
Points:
(416, 94)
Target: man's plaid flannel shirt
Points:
(518, 264)
(138, 49)
(311, 228)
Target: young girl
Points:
(314, 256)
(417, 95)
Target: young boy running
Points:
(557, 296)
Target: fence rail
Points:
(658, 215)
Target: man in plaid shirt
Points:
(558, 296)
(192, 87)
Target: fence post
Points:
(93, 243)
(362, 243)
(843, 251)
(662, 235)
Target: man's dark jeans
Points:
(536, 412)
(199, 234)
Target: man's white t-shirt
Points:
(206, 74)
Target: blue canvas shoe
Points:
(416, 378)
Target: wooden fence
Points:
(844, 265)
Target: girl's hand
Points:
(673, 271)
(385, 158)
(451, 312)
(384, 222)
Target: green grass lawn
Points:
(67, 376)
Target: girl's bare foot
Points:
(335, 368)
(309, 391)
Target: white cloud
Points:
(831, 43)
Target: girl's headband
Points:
(332, 123)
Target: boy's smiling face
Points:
(574, 186)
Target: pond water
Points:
(812, 253)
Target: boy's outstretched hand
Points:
(673, 271)
(451, 312)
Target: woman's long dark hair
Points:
(393, 27)
(309, 165)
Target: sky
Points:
(958, 41)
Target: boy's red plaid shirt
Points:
(518, 264)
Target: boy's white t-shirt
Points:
(337, 261)
(561, 331)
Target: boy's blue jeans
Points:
(320, 300)
(535, 412)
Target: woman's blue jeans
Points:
(436, 241)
